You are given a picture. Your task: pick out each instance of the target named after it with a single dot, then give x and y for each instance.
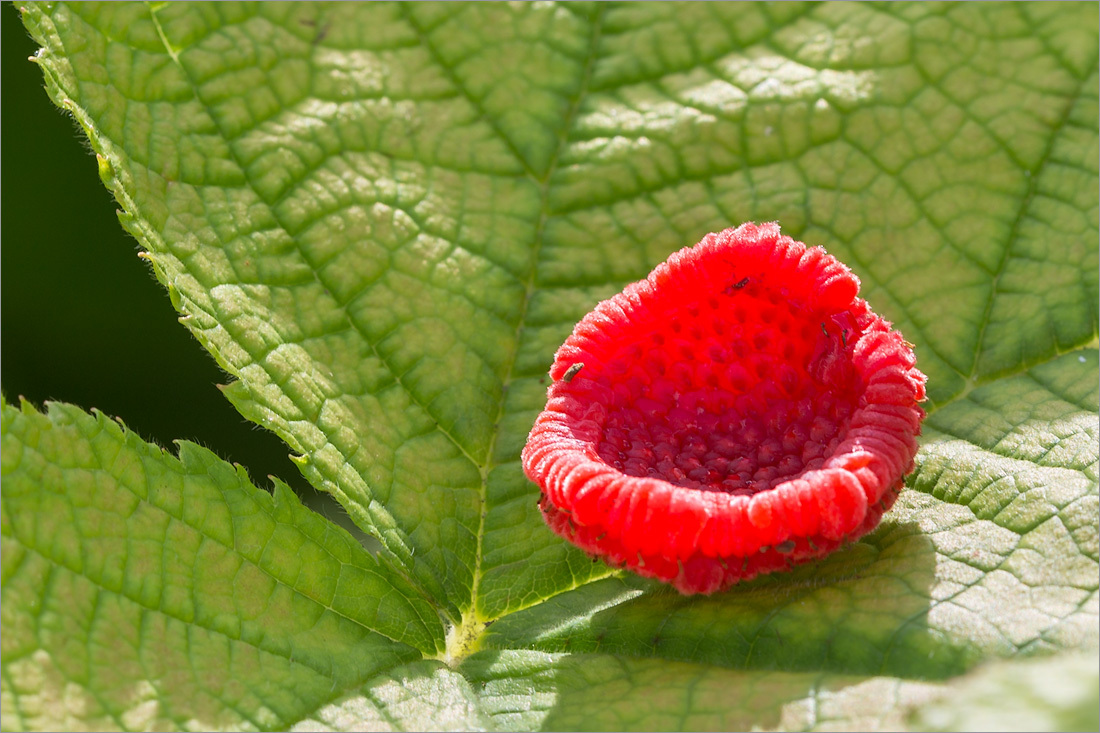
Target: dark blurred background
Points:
(82, 319)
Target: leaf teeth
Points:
(265, 576)
(740, 403)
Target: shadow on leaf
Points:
(862, 610)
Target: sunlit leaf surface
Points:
(382, 219)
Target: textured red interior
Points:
(738, 411)
(730, 393)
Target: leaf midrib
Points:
(1025, 205)
(376, 506)
(595, 28)
(544, 185)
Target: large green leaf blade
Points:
(383, 220)
(393, 325)
(288, 252)
(146, 591)
(916, 172)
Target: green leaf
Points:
(421, 696)
(531, 690)
(146, 591)
(382, 219)
(1050, 694)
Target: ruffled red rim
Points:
(747, 336)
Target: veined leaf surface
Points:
(382, 219)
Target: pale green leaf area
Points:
(1047, 694)
(382, 220)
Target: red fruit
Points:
(738, 411)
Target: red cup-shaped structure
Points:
(737, 412)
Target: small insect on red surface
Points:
(739, 411)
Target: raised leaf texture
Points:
(382, 220)
(142, 591)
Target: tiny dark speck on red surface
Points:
(739, 411)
